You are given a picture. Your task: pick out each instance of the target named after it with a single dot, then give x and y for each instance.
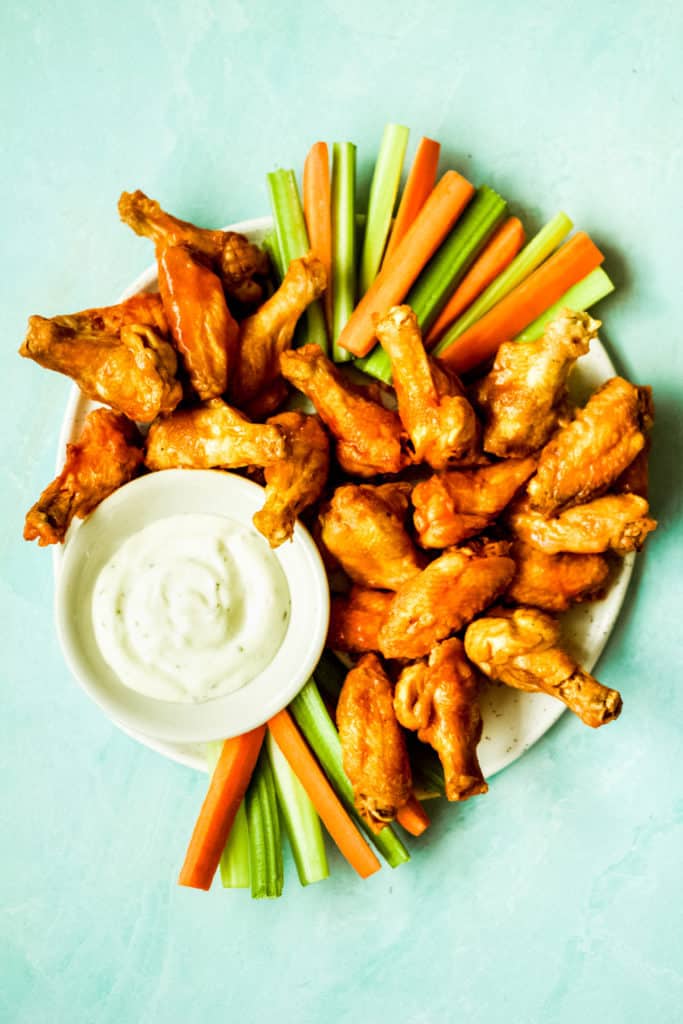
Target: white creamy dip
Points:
(190, 608)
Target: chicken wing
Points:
(238, 262)
(452, 506)
(438, 417)
(374, 751)
(269, 331)
(444, 597)
(370, 439)
(114, 358)
(589, 454)
(438, 699)
(617, 522)
(555, 582)
(521, 648)
(355, 620)
(368, 538)
(106, 456)
(296, 482)
(525, 394)
(636, 477)
(204, 331)
(213, 435)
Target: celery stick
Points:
(531, 256)
(376, 364)
(234, 863)
(581, 296)
(292, 240)
(383, 191)
(265, 840)
(343, 241)
(301, 820)
(330, 674)
(316, 725)
(270, 244)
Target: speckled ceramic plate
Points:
(513, 721)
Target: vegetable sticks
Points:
(318, 214)
(234, 862)
(421, 181)
(343, 241)
(413, 817)
(383, 191)
(580, 296)
(265, 839)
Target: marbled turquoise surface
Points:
(557, 898)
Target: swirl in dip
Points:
(190, 608)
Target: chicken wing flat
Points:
(636, 477)
(525, 394)
(368, 538)
(355, 620)
(295, 482)
(213, 435)
(616, 522)
(370, 439)
(237, 261)
(521, 648)
(269, 331)
(444, 597)
(589, 454)
(373, 747)
(455, 505)
(439, 699)
(555, 582)
(442, 424)
(145, 308)
(204, 331)
(106, 456)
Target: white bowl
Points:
(170, 493)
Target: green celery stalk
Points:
(301, 820)
(292, 240)
(383, 191)
(376, 364)
(234, 863)
(343, 241)
(581, 296)
(531, 256)
(316, 725)
(330, 674)
(265, 840)
(270, 244)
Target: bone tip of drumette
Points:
(574, 326)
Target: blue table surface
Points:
(558, 896)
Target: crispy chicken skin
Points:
(114, 358)
(525, 394)
(212, 435)
(355, 620)
(584, 458)
(236, 260)
(636, 477)
(373, 747)
(370, 439)
(368, 538)
(269, 331)
(455, 505)
(106, 456)
(616, 522)
(555, 582)
(438, 417)
(444, 597)
(438, 698)
(521, 648)
(204, 331)
(295, 482)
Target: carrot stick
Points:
(224, 796)
(322, 796)
(318, 213)
(574, 260)
(500, 251)
(417, 188)
(413, 252)
(413, 817)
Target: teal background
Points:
(557, 898)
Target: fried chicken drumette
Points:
(616, 522)
(355, 619)
(555, 582)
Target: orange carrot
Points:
(418, 186)
(500, 251)
(413, 817)
(573, 261)
(322, 796)
(413, 252)
(318, 213)
(227, 788)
